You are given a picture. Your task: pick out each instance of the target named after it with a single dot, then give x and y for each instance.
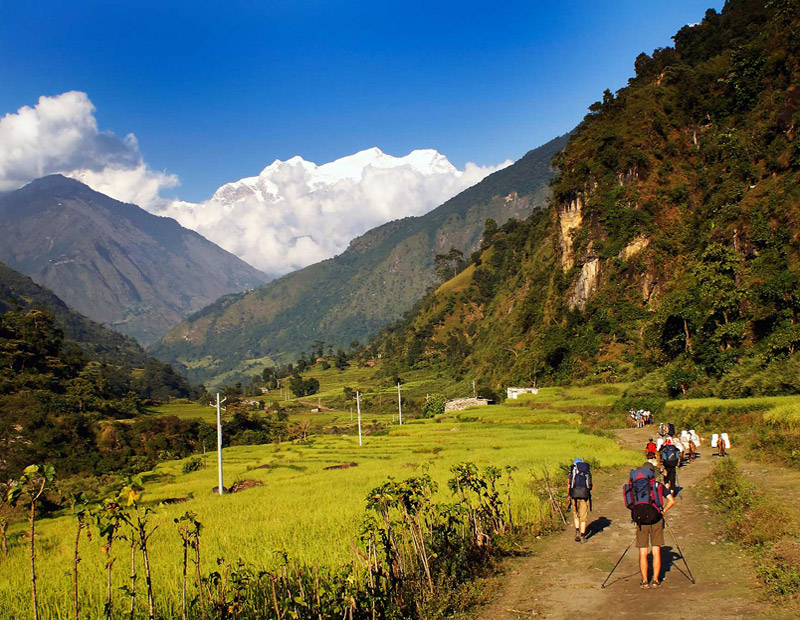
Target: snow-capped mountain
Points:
(296, 212)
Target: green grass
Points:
(311, 513)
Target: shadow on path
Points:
(597, 526)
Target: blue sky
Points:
(214, 91)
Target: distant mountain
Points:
(19, 292)
(114, 262)
(352, 296)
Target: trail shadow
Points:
(671, 559)
(597, 526)
(622, 578)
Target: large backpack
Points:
(643, 496)
(579, 481)
(670, 456)
(671, 430)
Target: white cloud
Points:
(60, 135)
(293, 214)
(296, 213)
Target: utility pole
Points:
(399, 404)
(358, 405)
(219, 441)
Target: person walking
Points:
(648, 503)
(579, 487)
(670, 459)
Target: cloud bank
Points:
(60, 135)
(293, 214)
(296, 213)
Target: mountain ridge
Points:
(350, 296)
(114, 262)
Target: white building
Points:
(514, 392)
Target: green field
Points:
(310, 512)
(313, 514)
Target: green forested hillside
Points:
(19, 292)
(669, 253)
(353, 295)
(65, 381)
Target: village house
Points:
(514, 392)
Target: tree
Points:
(341, 360)
(448, 265)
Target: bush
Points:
(193, 464)
(433, 406)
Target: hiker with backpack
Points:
(645, 498)
(670, 459)
(650, 448)
(579, 486)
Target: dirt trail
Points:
(560, 579)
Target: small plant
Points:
(30, 487)
(109, 516)
(80, 509)
(189, 531)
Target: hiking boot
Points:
(577, 536)
(583, 538)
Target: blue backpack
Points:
(644, 497)
(579, 487)
(670, 456)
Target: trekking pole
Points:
(683, 557)
(618, 562)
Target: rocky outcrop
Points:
(570, 217)
(586, 284)
(634, 247)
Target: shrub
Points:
(193, 464)
(433, 406)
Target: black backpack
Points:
(580, 481)
(670, 456)
(671, 430)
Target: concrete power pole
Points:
(399, 405)
(358, 405)
(219, 442)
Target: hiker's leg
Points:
(656, 563)
(643, 563)
(583, 515)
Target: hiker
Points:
(650, 447)
(579, 487)
(644, 497)
(670, 459)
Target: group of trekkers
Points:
(641, 417)
(649, 493)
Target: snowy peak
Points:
(352, 168)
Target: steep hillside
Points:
(671, 244)
(355, 294)
(20, 293)
(114, 262)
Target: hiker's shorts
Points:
(653, 533)
(581, 508)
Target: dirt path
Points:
(560, 579)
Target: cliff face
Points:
(671, 239)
